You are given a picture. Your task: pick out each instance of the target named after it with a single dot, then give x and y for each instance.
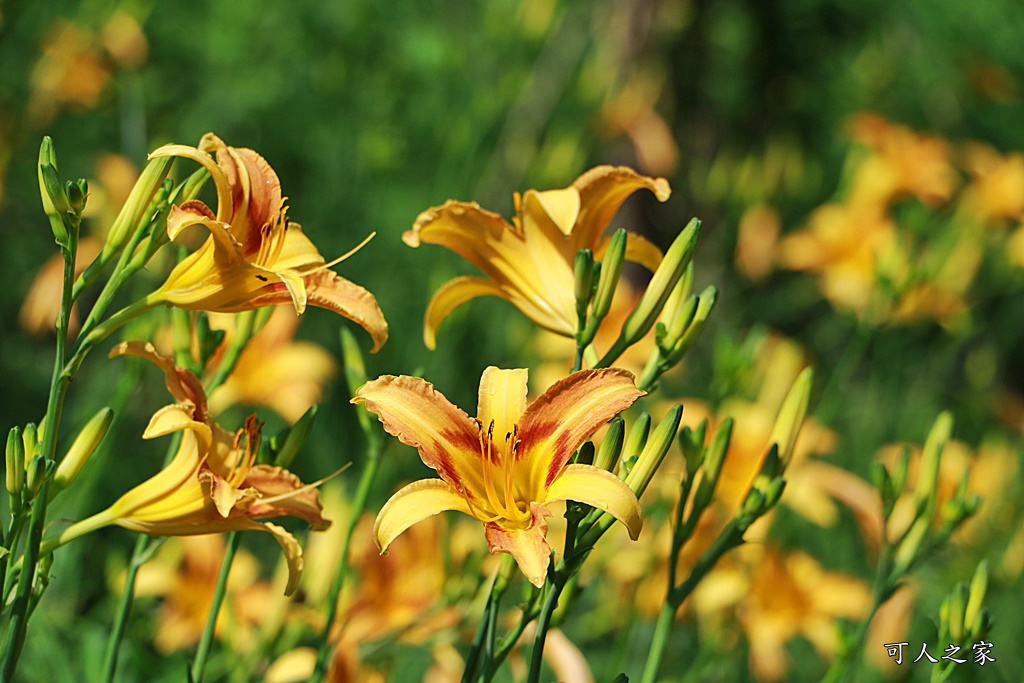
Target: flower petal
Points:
(528, 546)
(562, 418)
(414, 503)
(502, 399)
(450, 296)
(183, 384)
(602, 191)
(285, 494)
(638, 250)
(327, 289)
(561, 206)
(420, 416)
(601, 489)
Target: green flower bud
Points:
(676, 260)
(147, 187)
(55, 201)
(15, 465)
(78, 193)
(979, 586)
(654, 451)
(84, 445)
(928, 474)
(791, 415)
(957, 604)
(611, 446)
(906, 552)
(691, 441)
(584, 272)
(355, 377)
(714, 456)
(611, 269)
(35, 474)
(705, 304)
(585, 455)
(635, 443)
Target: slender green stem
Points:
(219, 592)
(13, 539)
(658, 642)
(124, 610)
(326, 648)
(473, 658)
(543, 624)
(104, 330)
(510, 640)
(18, 625)
(239, 340)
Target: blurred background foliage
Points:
(372, 112)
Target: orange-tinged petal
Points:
(284, 494)
(562, 418)
(207, 162)
(420, 416)
(327, 289)
(183, 384)
(483, 238)
(450, 296)
(600, 489)
(414, 503)
(528, 546)
(502, 400)
(602, 191)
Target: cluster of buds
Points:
(596, 283)
(913, 544)
(27, 468)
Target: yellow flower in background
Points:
(213, 483)
(505, 466)
(790, 595)
(274, 370)
(530, 263)
(996, 191)
(900, 162)
(254, 256)
(184, 573)
(850, 247)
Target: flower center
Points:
(500, 500)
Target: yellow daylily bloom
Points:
(254, 256)
(505, 466)
(531, 262)
(212, 484)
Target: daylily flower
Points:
(212, 484)
(505, 466)
(530, 263)
(254, 256)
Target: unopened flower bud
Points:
(676, 260)
(611, 445)
(691, 441)
(635, 443)
(906, 552)
(753, 506)
(976, 598)
(654, 451)
(584, 272)
(928, 473)
(77, 193)
(35, 474)
(84, 445)
(714, 456)
(55, 201)
(15, 464)
(295, 438)
(611, 269)
(791, 415)
(957, 605)
(681, 344)
(150, 182)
